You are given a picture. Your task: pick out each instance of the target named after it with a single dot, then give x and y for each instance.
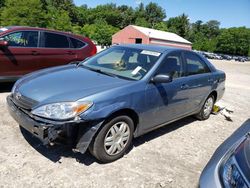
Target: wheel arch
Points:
(214, 93)
(126, 111)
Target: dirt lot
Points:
(172, 156)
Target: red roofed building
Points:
(141, 35)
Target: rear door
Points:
(19, 57)
(82, 49)
(198, 82)
(55, 50)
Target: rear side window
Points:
(22, 39)
(52, 40)
(172, 65)
(195, 65)
(77, 43)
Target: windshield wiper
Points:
(98, 70)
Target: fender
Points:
(86, 135)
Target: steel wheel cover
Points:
(117, 138)
(208, 106)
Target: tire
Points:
(113, 140)
(207, 108)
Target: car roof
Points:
(150, 47)
(17, 28)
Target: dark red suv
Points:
(26, 49)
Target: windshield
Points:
(124, 62)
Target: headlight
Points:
(62, 111)
(231, 176)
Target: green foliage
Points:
(154, 14)
(179, 25)
(141, 22)
(234, 41)
(100, 31)
(25, 12)
(161, 26)
(127, 16)
(58, 19)
(103, 33)
(204, 36)
(101, 22)
(2, 2)
(107, 12)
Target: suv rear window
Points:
(52, 40)
(77, 43)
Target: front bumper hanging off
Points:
(80, 132)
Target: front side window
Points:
(52, 40)
(195, 65)
(22, 39)
(123, 62)
(172, 65)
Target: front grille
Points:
(23, 102)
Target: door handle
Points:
(184, 86)
(71, 53)
(34, 53)
(210, 80)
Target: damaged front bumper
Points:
(79, 132)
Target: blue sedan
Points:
(102, 103)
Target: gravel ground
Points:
(172, 156)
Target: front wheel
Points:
(113, 140)
(206, 109)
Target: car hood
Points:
(66, 83)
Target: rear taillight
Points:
(93, 50)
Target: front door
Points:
(166, 101)
(19, 57)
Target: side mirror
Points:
(3, 43)
(161, 78)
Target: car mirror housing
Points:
(3, 43)
(161, 78)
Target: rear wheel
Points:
(206, 109)
(113, 140)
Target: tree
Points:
(2, 2)
(140, 11)
(107, 12)
(100, 31)
(161, 26)
(25, 12)
(179, 25)
(204, 35)
(58, 19)
(234, 41)
(66, 5)
(127, 16)
(213, 27)
(154, 14)
(82, 15)
(141, 22)
(89, 30)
